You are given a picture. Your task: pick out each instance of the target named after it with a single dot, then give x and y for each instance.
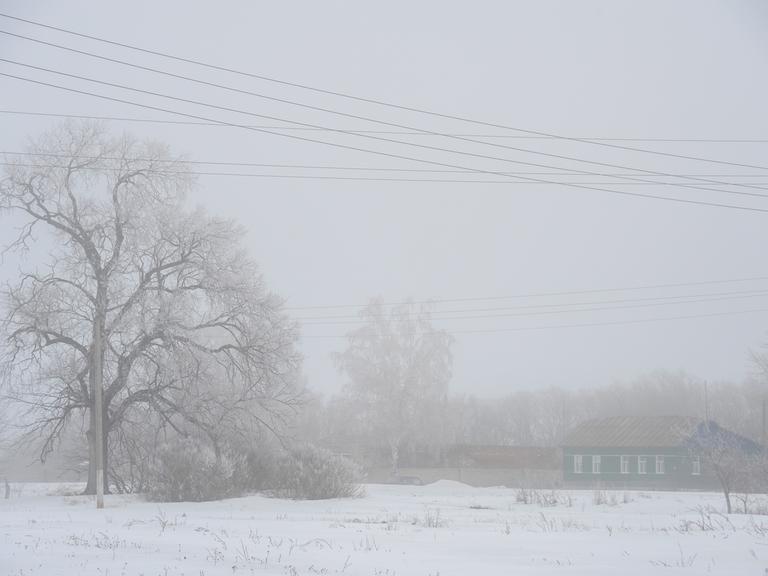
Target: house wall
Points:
(678, 469)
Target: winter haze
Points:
(383, 289)
(587, 69)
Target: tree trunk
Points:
(727, 495)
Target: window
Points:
(696, 466)
(659, 464)
(577, 460)
(625, 464)
(642, 465)
(595, 464)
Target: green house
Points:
(649, 452)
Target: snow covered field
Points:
(442, 529)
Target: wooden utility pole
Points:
(706, 402)
(562, 422)
(98, 407)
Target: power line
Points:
(378, 152)
(548, 312)
(567, 326)
(228, 109)
(325, 91)
(350, 178)
(398, 132)
(375, 120)
(543, 294)
(394, 141)
(359, 168)
(648, 299)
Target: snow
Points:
(447, 485)
(442, 529)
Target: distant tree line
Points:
(542, 417)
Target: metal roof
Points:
(516, 457)
(633, 432)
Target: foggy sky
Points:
(588, 69)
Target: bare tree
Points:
(157, 302)
(737, 462)
(399, 367)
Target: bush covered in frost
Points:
(311, 473)
(259, 471)
(187, 470)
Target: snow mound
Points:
(449, 484)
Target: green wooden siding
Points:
(677, 467)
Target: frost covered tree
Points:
(399, 367)
(737, 462)
(132, 289)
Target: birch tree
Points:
(399, 368)
(133, 289)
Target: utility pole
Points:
(562, 421)
(706, 402)
(98, 408)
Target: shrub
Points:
(312, 473)
(600, 497)
(543, 499)
(431, 519)
(260, 468)
(187, 470)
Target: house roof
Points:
(633, 432)
(518, 457)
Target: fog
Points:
(472, 274)
(599, 70)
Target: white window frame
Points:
(696, 466)
(660, 465)
(578, 464)
(596, 462)
(642, 465)
(624, 460)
